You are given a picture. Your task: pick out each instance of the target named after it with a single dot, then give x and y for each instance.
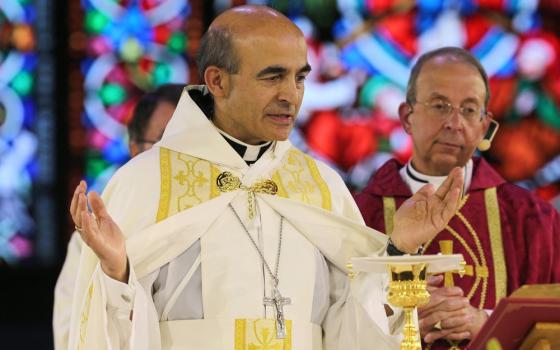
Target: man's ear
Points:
(133, 149)
(486, 123)
(405, 110)
(217, 80)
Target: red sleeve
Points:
(371, 207)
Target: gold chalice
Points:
(407, 283)
(407, 290)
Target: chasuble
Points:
(508, 236)
(200, 243)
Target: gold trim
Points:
(281, 189)
(316, 175)
(165, 189)
(496, 243)
(240, 331)
(483, 262)
(389, 209)
(85, 317)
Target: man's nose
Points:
(288, 92)
(455, 120)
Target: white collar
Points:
(415, 180)
(251, 152)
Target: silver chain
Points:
(274, 276)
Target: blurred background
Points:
(71, 72)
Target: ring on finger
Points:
(438, 325)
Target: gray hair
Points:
(456, 54)
(216, 49)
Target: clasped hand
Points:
(450, 310)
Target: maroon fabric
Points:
(530, 230)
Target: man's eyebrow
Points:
(437, 95)
(271, 70)
(281, 70)
(305, 69)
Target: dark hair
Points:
(216, 49)
(146, 106)
(457, 54)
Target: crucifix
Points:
(278, 302)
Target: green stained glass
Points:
(95, 166)
(177, 42)
(95, 21)
(23, 83)
(112, 94)
(161, 74)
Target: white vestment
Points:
(193, 269)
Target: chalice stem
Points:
(410, 341)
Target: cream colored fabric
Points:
(233, 282)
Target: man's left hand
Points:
(421, 217)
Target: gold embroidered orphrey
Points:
(258, 334)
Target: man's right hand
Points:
(100, 232)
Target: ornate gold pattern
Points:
(407, 289)
(165, 184)
(227, 182)
(299, 178)
(185, 182)
(260, 334)
(496, 243)
(481, 267)
(389, 209)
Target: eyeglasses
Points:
(442, 109)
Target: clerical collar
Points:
(249, 153)
(415, 180)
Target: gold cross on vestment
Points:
(446, 248)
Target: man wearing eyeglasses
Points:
(508, 236)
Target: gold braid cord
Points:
(228, 182)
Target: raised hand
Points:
(421, 217)
(100, 232)
(448, 314)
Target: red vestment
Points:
(508, 236)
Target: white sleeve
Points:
(357, 319)
(120, 302)
(64, 293)
(131, 319)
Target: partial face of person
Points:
(265, 95)
(448, 119)
(154, 130)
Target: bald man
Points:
(231, 238)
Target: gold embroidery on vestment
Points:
(260, 334)
(389, 209)
(496, 242)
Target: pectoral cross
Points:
(446, 248)
(278, 302)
